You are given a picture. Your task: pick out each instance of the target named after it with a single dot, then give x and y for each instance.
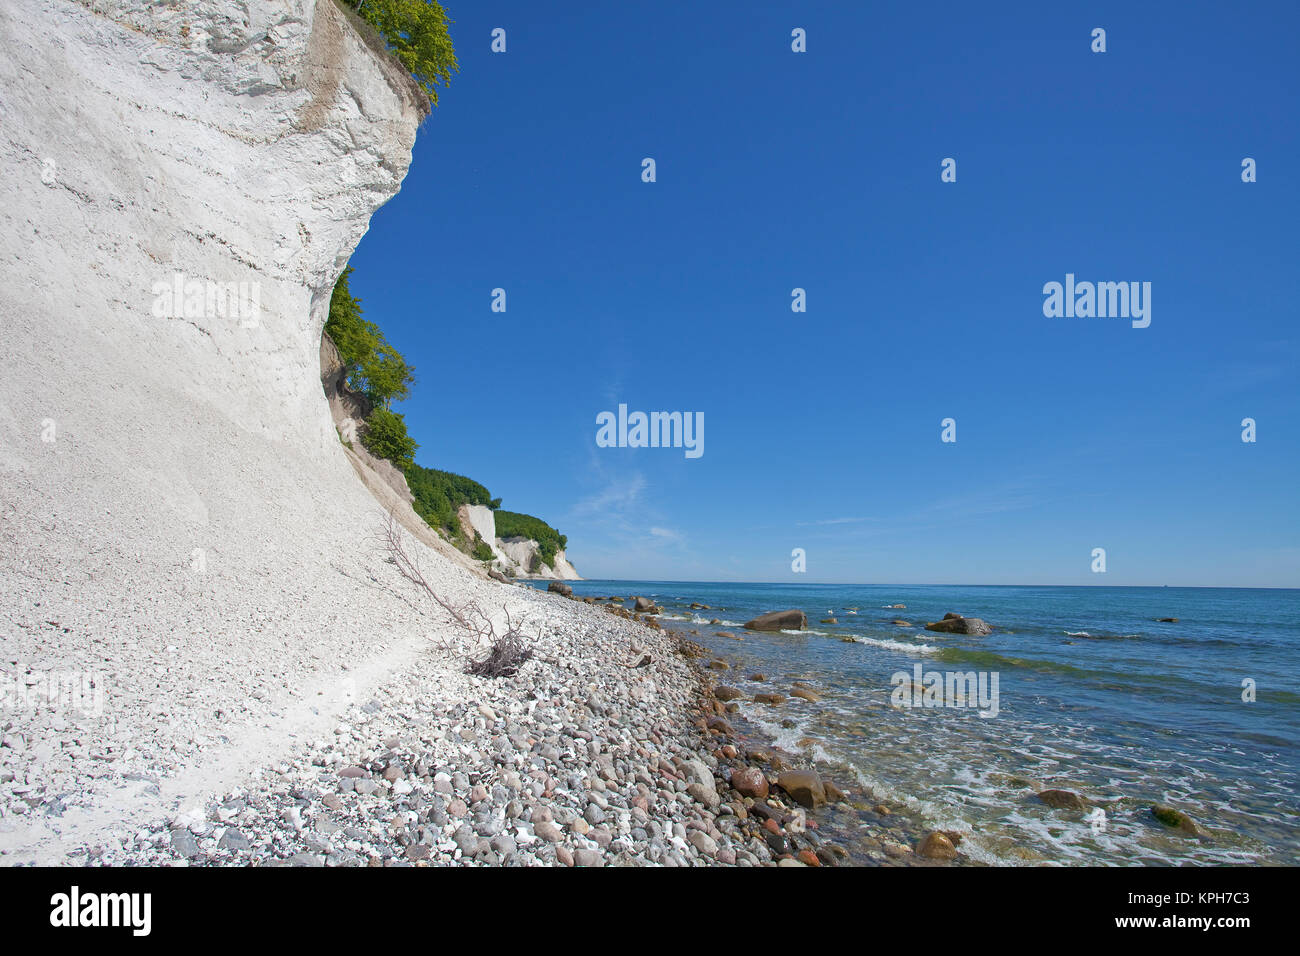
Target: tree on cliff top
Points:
(416, 33)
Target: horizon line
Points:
(895, 584)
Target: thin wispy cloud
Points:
(826, 521)
(614, 500)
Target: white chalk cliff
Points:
(177, 513)
(514, 556)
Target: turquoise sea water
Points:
(1095, 695)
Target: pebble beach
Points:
(605, 749)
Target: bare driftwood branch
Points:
(508, 649)
(507, 655)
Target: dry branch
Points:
(508, 648)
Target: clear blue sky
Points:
(821, 170)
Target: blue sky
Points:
(821, 170)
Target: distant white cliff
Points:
(515, 556)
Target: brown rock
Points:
(1063, 800)
(1177, 820)
(772, 700)
(791, 620)
(724, 693)
(804, 786)
(936, 846)
(750, 782)
(805, 694)
(956, 624)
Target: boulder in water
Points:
(956, 624)
(1177, 820)
(791, 620)
(804, 786)
(1063, 800)
(936, 846)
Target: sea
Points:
(1094, 694)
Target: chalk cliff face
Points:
(173, 493)
(239, 146)
(520, 552)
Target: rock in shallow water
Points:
(956, 624)
(805, 786)
(1063, 800)
(1177, 820)
(791, 620)
(936, 846)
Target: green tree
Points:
(439, 494)
(416, 33)
(373, 366)
(385, 436)
(387, 375)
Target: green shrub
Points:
(373, 366)
(385, 437)
(416, 33)
(482, 551)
